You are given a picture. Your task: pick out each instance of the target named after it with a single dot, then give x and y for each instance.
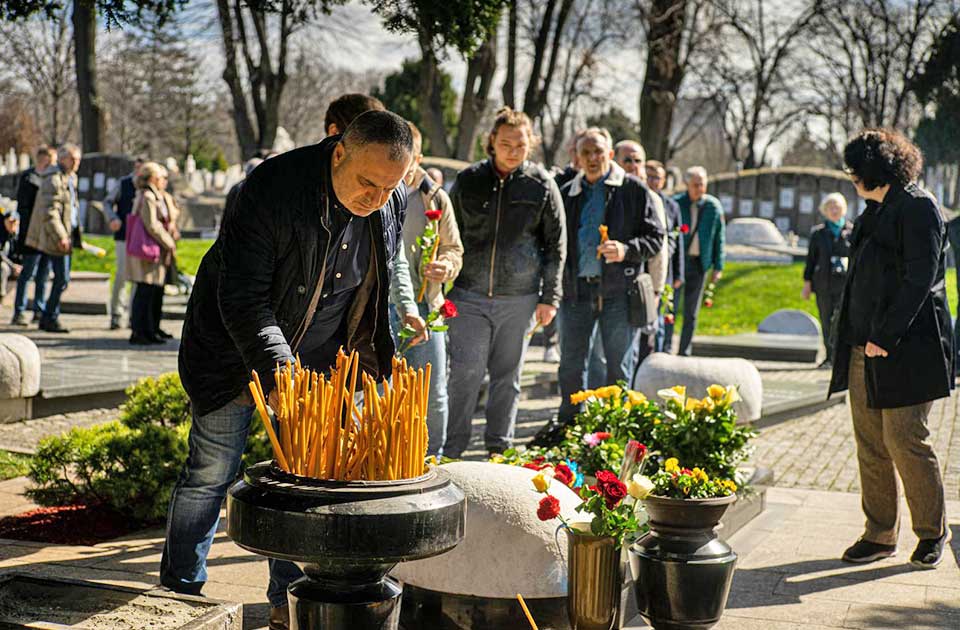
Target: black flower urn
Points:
(682, 570)
(347, 535)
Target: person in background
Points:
(656, 179)
(827, 261)
(894, 348)
(344, 109)
(153, 207)
(35, 265)
(55, 229)
(424, 195)
(117, 205)
(511, 221)
(436, 175)
(704, 251)
(597, 273)
(953, 236)
(632, 157)
(8, 235)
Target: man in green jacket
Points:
(703, 216)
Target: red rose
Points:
(539, 459)
(549, 508)
(563, 474)
(614, 493)
(533, 466)
(602, 435)
(448, 309)
(641, 449)
(708, 303)
(433, 215)
(684, 229)
(604, 477)
(668, 318)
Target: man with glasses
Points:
(656, 179)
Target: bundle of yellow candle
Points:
(323, 434)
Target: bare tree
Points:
(39, 55)
(752, 61)
(868, 53)
(481, 67)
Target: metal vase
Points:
(594, 580)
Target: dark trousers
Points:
(694, 284)
(827, 304)
(147, 309)
(577, 321)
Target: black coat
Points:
(512, 230)
(630, 217)
(819, 270)
(254, 286)
(27, 187)
(900, 266)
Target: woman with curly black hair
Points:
(894, 345)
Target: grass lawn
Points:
(747, 293)
(189, 253)
(13, 465)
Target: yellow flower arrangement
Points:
(716, 392)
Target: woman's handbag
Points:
(139, 242)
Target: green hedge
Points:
(131, 464)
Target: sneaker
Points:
(54, 327)
(864, 551)
(550, 355)
(550, 435)
(20, 319)
(929, 552)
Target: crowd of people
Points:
(45, 229)
(323, 247)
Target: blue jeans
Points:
(434, 352)
(61, 278)
(576, 326)
(35, 267)
(489, 335)
(216, 444)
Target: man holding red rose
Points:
(427, 202)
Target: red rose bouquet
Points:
(435, 323)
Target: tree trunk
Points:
(664, 74)
(510, 81)
(433, 128)
(246, 137)
(92, 121)
(480, 70)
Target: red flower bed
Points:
(67, 525)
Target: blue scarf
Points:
(836, 227)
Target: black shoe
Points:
(864, 551)
(162, 334)
(114, 324)
(37, 318)
(20, 319)
(136, 339)
(929, 552)
(550, 435)
(53, 327)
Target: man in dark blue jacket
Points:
(597, 274)
(116, 206)
(301, 266)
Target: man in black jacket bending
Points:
(301, 266)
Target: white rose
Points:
(640, 487)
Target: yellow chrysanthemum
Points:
(716, 392)
(636, 398)
(579, 397)
(671, 465)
